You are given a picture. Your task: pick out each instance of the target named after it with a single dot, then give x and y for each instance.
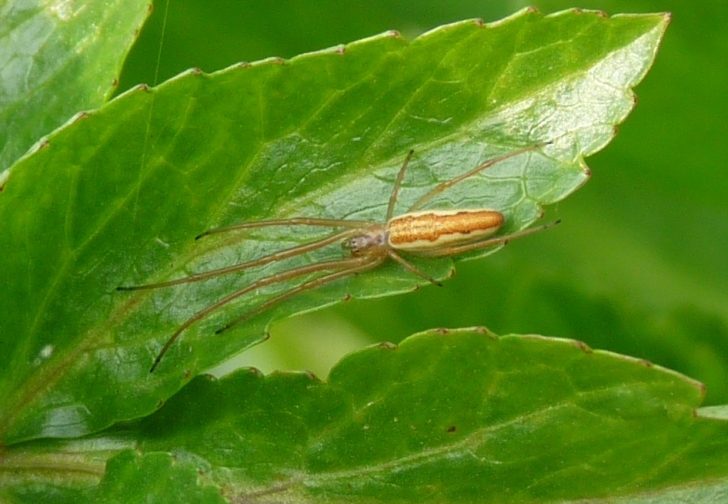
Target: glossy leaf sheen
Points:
(56, 59)
(117, 197)
(452, 417)
(458, 416)
(135, 478)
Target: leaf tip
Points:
(4, 177)
(255, 372)
(582, 346)
(210, 377)
(79, 116)
(274, 60)
(592, 12)
(703, 390)
(480, 330)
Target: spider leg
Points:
(460, 249)
(276, 256)
(446, 185)
(349, 265)
(397, 185)
(358, 264)
(295, 221)
(412, 267)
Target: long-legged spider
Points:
(429, 233)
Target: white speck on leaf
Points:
(46, 351)
(162, 243)
(63, 9)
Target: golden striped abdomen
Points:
(430, 229)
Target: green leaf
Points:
(447, 416)
(546, 296)
(117, 197)
(638, 265)
(131, 477)
(58, 58)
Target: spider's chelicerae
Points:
(429, 233)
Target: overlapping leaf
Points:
(459, 416)
(58, 58)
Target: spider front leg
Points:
(274, 257)
(293, 221)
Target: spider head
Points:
(370, 241)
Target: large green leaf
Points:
(638, 266)
(57, 58)
(458, 416)
(117, 197)
(647, 237)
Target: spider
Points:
(368, 244)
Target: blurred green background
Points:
(638, 265)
